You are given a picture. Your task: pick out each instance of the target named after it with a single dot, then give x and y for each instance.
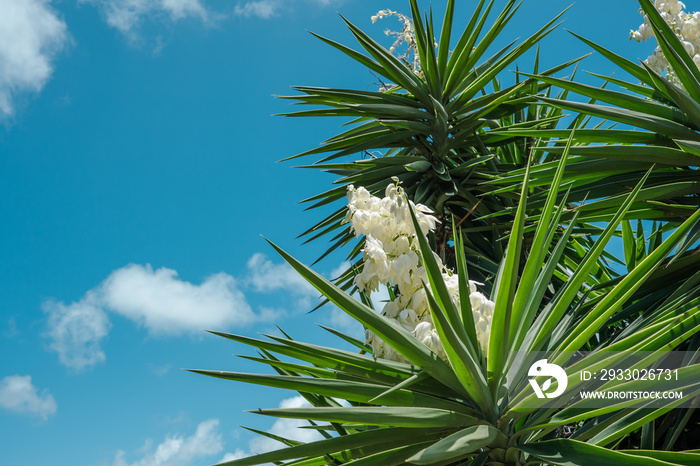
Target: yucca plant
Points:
(475, 406)
(649, 122)
(513, 193)
(429, 127)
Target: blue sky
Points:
(137, 172)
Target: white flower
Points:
(482, 311)
(392, 257)
(686, 27)
(391, 309)
(422, 330)
(408, 317)
(690, 29)
(426, 334)
(419, 300)
(406, 36)
(688, 47)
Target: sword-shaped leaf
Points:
(377, 416)
(388, 330)
(457, 445)
(567, 452)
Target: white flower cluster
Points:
(685, 25)
(392, 257)
(406, 36)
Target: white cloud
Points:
(77, 330)
(31, 34)
(266, 9)
(160, 370)
(338, 271)
(286, 428)
(166, 305)
(19, 395)
(263, 9)
(11, 328)
(266, 276)
(342, 322)
(156, 299)
(178, 450)
(182, 8)
(126, 15)
(236, 455)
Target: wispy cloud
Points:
(127, 15)
(236, 455)
(76, 331)
(180, 450)
(265, 276)
(262, 9)
(31, 35)
(266, 9)
(160, 370)
(18, 394)
(182, 8)
(177, 450)
(10, 330)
